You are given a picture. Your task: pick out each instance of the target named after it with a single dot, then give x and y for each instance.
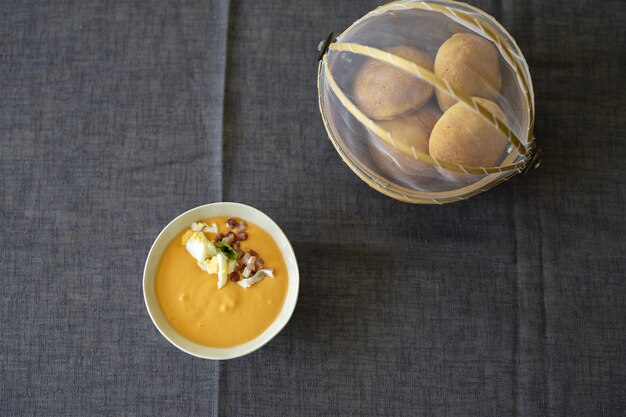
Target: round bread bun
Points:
(384, 92)
(469, 63)
(461, 136)
(412, 130)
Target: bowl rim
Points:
(214, 353)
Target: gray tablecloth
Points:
(117, 116)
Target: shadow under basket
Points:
(428, 102)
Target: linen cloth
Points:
(117, 116)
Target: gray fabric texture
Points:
(117, 116)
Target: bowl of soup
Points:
(221, 280)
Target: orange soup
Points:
(198, 310)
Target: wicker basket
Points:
(358, 133)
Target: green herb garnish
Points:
(227, 250)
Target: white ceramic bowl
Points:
(165, 237)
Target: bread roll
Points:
(412, 130)
(461, 136)
(384, 92)
(469, 63)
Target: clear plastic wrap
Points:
(428, 101)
